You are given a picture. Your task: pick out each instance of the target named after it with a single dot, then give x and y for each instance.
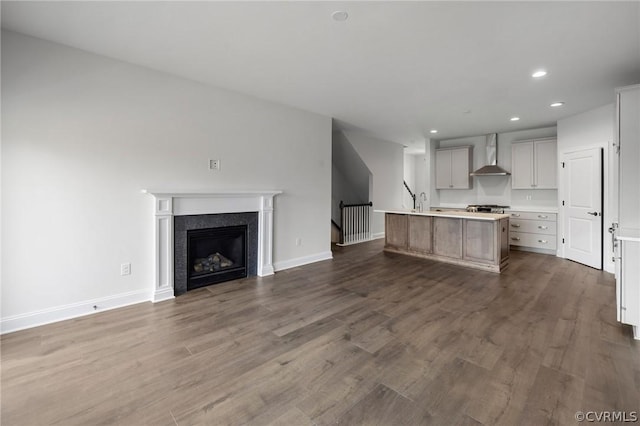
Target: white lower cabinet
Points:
(536, 231)
(628, 282)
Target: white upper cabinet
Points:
(522, 165)
(534, 164)
(453, 166)
(628, 246)
(628, 139)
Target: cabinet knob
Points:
(543, 227)
(543, 216)
(515, 225)
(515, 214)
(542, 241)
(515, 238)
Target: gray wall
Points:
(350, 178)
(591, 129)
(82, 135)
(385, 160)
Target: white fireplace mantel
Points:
(169, 204)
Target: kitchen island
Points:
(476, 240)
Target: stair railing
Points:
(413, 196)
(356, 223)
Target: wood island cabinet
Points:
(476, 240)
(447, 237)
(396, 230)
(420, 234)
(478, 244)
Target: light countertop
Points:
(451, 214)
(625, 234)
(533, 209)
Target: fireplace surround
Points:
(171, 204)
(221, 236)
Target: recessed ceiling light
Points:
(515, 118)
(433, 131)
(557, 104)
(340, 15)
(539, 74)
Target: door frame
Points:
(607, 190)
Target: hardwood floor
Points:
(366, 339)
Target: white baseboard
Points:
(534, 250)
(74, 310)
(377, 235)
(266, 271)
(162, 295)
(305, 260)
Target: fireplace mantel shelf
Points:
(212, 194)
(170, 203)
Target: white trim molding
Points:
(300, 261)
(74, 310)
(609, 209)
(169, 204)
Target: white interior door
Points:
(582, 174)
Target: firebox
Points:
(201, 224)
(215, 255)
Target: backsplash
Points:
(495, 189)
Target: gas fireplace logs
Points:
(212, 263)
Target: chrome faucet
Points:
(423, 198)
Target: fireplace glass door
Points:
(215, 255)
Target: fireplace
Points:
(212, 248)
(216, 255)
(177, 212)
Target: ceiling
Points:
(393, 69)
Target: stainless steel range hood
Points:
(492, 168)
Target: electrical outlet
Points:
(298, 241)
(529, 197)
(125, 269)
(214, 164)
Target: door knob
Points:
(593, 213)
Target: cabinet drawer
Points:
(533, 215)
(533, 226)
(532, 240)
